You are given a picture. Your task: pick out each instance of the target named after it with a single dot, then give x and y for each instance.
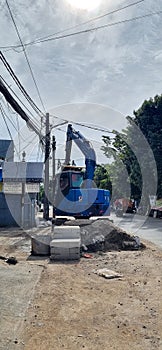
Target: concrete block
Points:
(66, 232)
(65, 243)
(65, 249)
(41, 245)
(65, 254)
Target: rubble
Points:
(95, 235)
(108, 274)
(11, 260)
(103, 235)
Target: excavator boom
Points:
(85, 147)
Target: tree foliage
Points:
(136, 152)
(102, 178)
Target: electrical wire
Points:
(3, 116)
(26, 57)
(99, 27)
(80, 124)
(13, 125)
(38, 152)
(93, 127)
(55, 126)
(9, 87)
(31, 125)
(18, 83)
(28, 144)
(18, 128)
(85, 30)
(88, 21)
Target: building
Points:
(19, 186)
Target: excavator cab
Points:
(70, 177)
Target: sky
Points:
(96, 78)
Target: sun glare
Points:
(85, 4)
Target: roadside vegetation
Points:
(127, 152)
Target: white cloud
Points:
(117, 66)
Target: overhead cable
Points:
(99, 27)
(86, 22)
(17, 81)
(26, 57)
(9, 98)
(9, 87)
(3, 116)
(18, 128)
(28, 144)
(85, 30)
(12, 123)
(65, 121)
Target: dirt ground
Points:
(49, 305)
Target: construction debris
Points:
(10, 260)
(103, 235)
(66, 243)
(87, 256)
(75, 237)
(109, 274)
(41, 244)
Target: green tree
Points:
(102, 178)
(131, 151)
(149, 120)
(41, 193)
(124, 170)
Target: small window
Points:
(77, 180)
(63, 182)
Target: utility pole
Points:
(53, 172)
(46, 181)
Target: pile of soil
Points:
(103, 235)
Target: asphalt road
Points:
(142, 226)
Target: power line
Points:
(18, 132)
(85, 30)
(26, 57)
(13, 125)
(81, 124)
(86, 22)
(18, 128)
(99, 27)
(9, 87)
(28, 144)
(94, 128)
(18, 83)
(3, 116)
(63, 123)
(9, 98)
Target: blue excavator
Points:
(75, 191)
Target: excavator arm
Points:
(85, 147)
